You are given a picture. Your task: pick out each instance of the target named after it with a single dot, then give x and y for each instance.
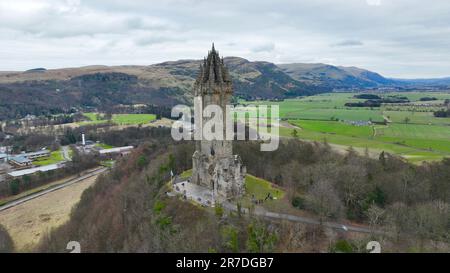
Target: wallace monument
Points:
(214, 165)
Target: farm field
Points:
(410, 130)
(29, 222)
(120, 119)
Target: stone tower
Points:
(214, 165)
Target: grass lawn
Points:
(259, 188)
(107, 163)
(333, 127)
(131, 119)
(416, 117)
(186, 174)
(103, 146)
(55, 157)
(92, 119)
(414, 142)
(430, 137)
(121, 119)
(324, 107)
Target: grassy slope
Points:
(28, 222)
(260, 188)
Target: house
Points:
(20, 161)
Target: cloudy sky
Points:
(397, 38)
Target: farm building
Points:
(25, 159)
(3, 157)
(117, 150)
(35, 155)
(20, 173)
(20, 161)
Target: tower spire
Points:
(213, 69)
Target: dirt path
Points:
(28, 222)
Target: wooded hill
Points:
(41, 91)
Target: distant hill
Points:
(329, 76)
(425, 82)
(169, 83)
(47, 91)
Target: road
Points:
(305, 220)
(65, 153)
(53, 188)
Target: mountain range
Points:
(41, 91)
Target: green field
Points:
(103, 146)
(186, 174)
(55, 157)
(120, 119)
(259, 188)
(411, 131)
(107, 163)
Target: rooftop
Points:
(116, 150)
(35, 153)
(20, 159)
(34, 170)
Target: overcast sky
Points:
(397, 38)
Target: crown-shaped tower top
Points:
(212, 69)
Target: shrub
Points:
(298, 202)
(230, 239)
(142, 161)
(158, 207)
(14, 186)
(218, 210)
(342, 246)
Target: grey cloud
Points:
(264, 48)
(402, 38)
(349, 43)
(155, 39)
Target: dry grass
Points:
(28, 222)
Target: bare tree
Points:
(375, 216)
(323, 200)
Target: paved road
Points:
(53, 188)
(306, 220)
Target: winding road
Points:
(305, 220)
